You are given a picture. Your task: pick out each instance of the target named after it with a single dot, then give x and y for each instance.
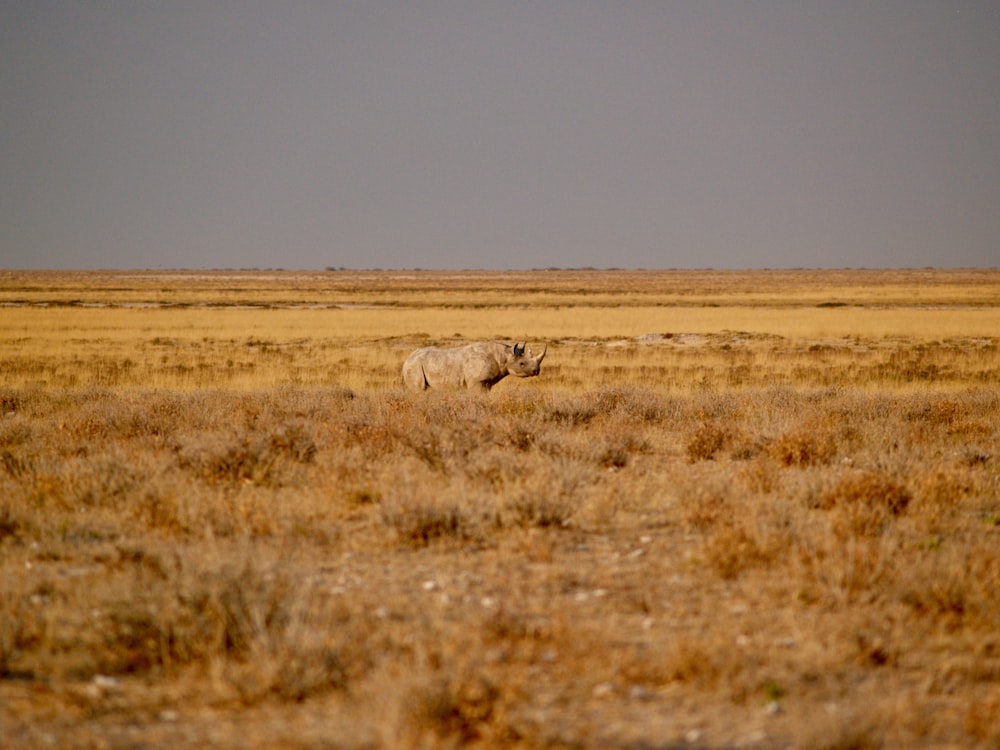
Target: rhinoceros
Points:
(478, 366)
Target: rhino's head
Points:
(522, 363)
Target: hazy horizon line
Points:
(477, 269)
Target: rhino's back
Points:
(432, 367)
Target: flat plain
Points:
(736, 509)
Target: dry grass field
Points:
(753, 510)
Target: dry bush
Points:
(980, 721)
(540, 510)
(704, 505)
(760, 476)
(958, 583)
(612, 448)
(16, 523)
(635, 405)
(269, 635)
(698, 661)
(419, 513)
(739, 531)
(549, 498)
(705, 663)
(734, 547)
(104, 479)
(705, 441)
(461, 709)
(251, 459)
(865, 503)
(572, 412)
(419, 523)
(807, 445)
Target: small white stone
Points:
(692, 735)
(602, 689)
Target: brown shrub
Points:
(15, 521)
(16, 463)
(158, 509)
(103, 480)
(980, 720)
(761, 476)
(733, 547)
(260, 459)
(419, 515)
(541, 510)
(460, 709)
(936, 412)
(572, 412)
(865, 502)
(616, 451)
(701, 661)
(944, 487)
(546, 496)
(803, 446)
(634, 405)
(703, 506)
(705, 441)
(958, 583)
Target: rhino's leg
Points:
(422, 382)
(414, 377)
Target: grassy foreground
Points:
(757, 510)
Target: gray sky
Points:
(493, 134)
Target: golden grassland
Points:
(590, 288)
(753, 509)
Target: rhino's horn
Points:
(542, 355)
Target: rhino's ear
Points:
(519, 350)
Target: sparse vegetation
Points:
(706, 539)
